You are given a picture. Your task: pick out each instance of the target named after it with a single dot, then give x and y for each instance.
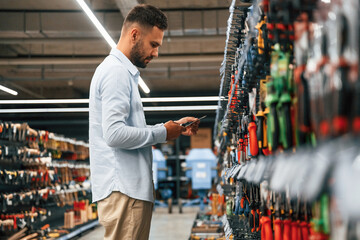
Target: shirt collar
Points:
(119, 55)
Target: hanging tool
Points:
(266, 230)
(282, 79)
(254, 148)
(278, 233)
(272, 119)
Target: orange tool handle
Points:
(304, 226)
(257, 220)
(287, 230)
(45, 226)
(277, 229)
(252, 220)
(254, 147)
(266, 230)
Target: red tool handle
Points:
(304, 226)
(266, 231)
(294, 231)
(318, 236)
(15, 225)
(340, 124)
(254, 147)
(266, 151)
(287, 230)
(277, 229)
(356, 125)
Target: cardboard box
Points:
(69, 220)
(202, 139)
(83, 216)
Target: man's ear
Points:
(134, 34)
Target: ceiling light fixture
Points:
(96, 22)
(181, 99)
(44, 110)
(181, 108)
(8, 90)
(86, 101)
(106, 35)
(44, 101)
(146, 109)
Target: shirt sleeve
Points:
(115, 91)
(155, 126)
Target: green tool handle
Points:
(288, 129)
(325, 213)
(274, 127)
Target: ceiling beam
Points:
(202, 38)
(97, 60)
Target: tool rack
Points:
(287, 127)
(43, 177)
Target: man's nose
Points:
(155, 52)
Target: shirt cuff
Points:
(160, 133)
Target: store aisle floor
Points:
(164, 226)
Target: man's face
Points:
(147, 47)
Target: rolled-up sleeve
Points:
(115, 92)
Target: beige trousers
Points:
(125, 218)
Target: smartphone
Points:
(190, 123)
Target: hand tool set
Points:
(287, 126)
(42, 178)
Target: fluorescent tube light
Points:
(44, 110)
(44, 101)
(106, 36)
(96, 22)
(180, 99)
(86, 101)
(181, 108)
(8, 90)
(143, 85)
(146, 109)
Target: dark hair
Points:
(147, 15)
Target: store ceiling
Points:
(50, 49)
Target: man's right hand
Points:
(173, 130)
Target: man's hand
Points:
(193, 128)
(173, 130)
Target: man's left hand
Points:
(193, 128)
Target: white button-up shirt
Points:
(120, 140)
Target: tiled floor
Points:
(164, 226)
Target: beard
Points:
(137, 55)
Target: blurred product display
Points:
(287, 131)
(45, 191)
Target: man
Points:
(120, 140)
